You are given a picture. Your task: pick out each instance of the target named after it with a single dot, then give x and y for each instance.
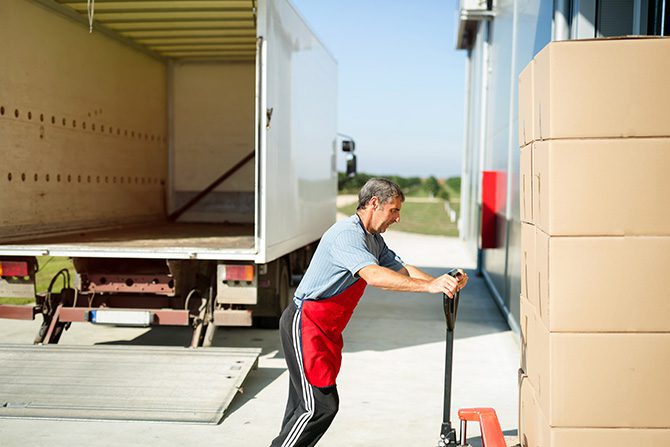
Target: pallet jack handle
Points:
(447, 432)
(492, 435)
(451, 310)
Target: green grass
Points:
(419, 217)
(48, 267)
(453, 193)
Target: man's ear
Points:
(374, 202)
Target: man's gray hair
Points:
(385, 190)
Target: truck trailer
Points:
(181, 153)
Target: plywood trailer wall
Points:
(214, 116)
(83, 126)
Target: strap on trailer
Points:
(175, 215)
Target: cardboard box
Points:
(602, 88)
(534, 355)
(602, 380)
(526, 184)
(607, 437)
(602, 187)
(529, 287)
(601, 284)
(524, 316)
(535, 431)
(526, 110)
(532, 430)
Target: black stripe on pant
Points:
(309, 410)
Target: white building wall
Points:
(502, 48)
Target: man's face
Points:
(384, 214)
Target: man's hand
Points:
(411, 279)
(462, 278)
(446, 284)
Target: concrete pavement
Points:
(391, 381)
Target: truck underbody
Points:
(123, 277)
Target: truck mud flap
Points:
(133, 383)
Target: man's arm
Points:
(385, 278)
(416, 273)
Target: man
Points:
(351, 255)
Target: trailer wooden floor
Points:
(147, 383)
(159, 239)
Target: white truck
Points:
(182, 153)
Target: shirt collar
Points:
(358, 220)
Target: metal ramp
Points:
(138, 383)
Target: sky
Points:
(401, 82)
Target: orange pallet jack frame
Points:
(492, 435)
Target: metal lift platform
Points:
(121, 383)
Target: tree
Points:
(433, 186)
(454, 183)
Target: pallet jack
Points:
(492, 435)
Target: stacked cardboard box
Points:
(595, 196)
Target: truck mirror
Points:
(351, 165)
(348, 146)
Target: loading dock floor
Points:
(390, 385)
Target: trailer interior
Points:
(141, 106)
(131, 138)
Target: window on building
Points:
(658, 23)
(616, 18)
(610, 18)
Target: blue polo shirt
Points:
(344, 249)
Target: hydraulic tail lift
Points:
(492, 435)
